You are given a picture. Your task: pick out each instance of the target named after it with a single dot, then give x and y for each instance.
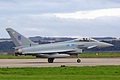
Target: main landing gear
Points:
(50, 60)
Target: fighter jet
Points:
(25, 46)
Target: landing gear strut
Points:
(78, 60)
(50, 60)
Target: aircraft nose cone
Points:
(107, 44)
(110, 45)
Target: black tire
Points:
(50, 60)
(16, 54)
(78, 60)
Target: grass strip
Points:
(64, 73)
(84, 55)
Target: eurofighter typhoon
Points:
(25, 46)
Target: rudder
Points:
(18, 39)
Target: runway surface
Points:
(58, 62)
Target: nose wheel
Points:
(78, 60)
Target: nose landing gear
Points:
(78, 60)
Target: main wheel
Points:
(78, 60)
(50, 60)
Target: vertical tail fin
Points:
(18, 39)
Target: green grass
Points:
(84, 55)
(16, 57)
(62, 73)
(100, 55)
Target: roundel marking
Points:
(19, 38)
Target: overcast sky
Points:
(83, 18)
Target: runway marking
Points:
(58, 62)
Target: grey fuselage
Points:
(73, 46)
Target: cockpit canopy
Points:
(85, 40)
